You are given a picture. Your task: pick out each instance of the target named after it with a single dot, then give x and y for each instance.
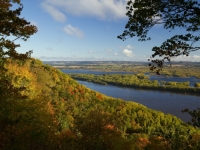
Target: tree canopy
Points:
(143, 15)
(13, 27)
(43, 108)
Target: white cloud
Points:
(196, 57)
(127, 53)
(126, 47)
(129, 47)
(73, 31)
(93, 52)
(54, 12)
(102, 9)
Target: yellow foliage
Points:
(19, 76)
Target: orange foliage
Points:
(196, 137)
(142, 142)
(109, 126)
(67, 133)
(99, 96)
(50, 108)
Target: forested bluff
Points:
(43, 108)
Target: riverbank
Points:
(138, 81)
(167, 102)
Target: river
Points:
(192, 80)
(169, 103)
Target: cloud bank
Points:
(101, 9)
(194, 58)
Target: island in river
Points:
(168, 102)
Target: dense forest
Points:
(43, 108)
(139, 81)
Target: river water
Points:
(169, 103)
(192, 80)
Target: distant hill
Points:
(92, 62)
(141, 63)
(43, 108)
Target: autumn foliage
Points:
(43, 108)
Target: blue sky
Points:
(73, 30)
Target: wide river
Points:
(169, 103)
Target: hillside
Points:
(43, 108)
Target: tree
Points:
(25, 119)
(98, 130)
(195, 114)
(12, 27)
(144, 14)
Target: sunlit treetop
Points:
(144, 14)
(13, 27)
